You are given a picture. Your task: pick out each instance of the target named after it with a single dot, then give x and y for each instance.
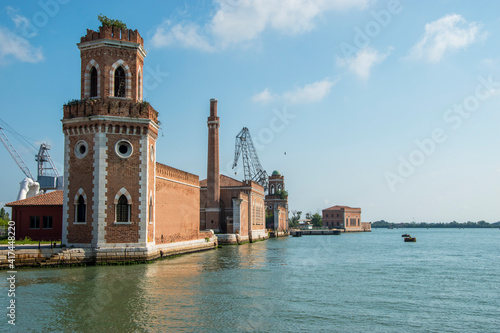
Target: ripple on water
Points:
(447, 281)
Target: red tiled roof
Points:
(338, 207)
(225, 181)
(54, 198)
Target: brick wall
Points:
(80, 176)
(122, 173)
(177, 205)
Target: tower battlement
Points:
(110, 32)
(110, 107)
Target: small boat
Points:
(405, 235)
(410, 239)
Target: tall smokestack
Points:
(213, 170)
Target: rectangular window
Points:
(47, 222)
(122, 213)
(34, 222)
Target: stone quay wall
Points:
(45, 256)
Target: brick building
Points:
(38, 217)
(116, 196)
(276, 202)
(342, 217)
(230, 207)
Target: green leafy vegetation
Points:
(28, 240)
(269, 218)
(111, 23)
(293, 222)
(316, 219)
(454, 224)
(282, 194)
(4, 220)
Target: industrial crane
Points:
(13, 152)
(48, 177)
(252, 168)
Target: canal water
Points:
(448, 281)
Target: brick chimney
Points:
(213, 170)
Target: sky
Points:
(391, 106)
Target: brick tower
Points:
(110, 143)
(277, 202)
(213, 178)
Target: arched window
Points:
(119, 82)
(93, 82)
(122, 209)
(272, 189)
(151, 209)
(139, 85)
(81, 210)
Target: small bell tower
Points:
(276, 202)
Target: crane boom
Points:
(13, 152)
(252, 168)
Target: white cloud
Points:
(13, 45)
(449, 33)
(362, 62)
(263, 97)
(243, 21)
(20, 21)
(18, 47)
(313, 92)
(187, 36)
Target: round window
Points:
(81, 149)
(123, 149)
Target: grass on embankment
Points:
(25, 241)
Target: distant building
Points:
(343, 217)
(38, 217)
(305, 224)
(277, 204)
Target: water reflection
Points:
(296, 284)
(110, 298)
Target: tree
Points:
(294, 221)
(4, 219)
(4, 215)
(317, 220)
(111, 23)
(269, 218)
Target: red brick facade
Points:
(177, 196)
(342, 217)
(116, 194)
(277, 203)
(39, 218)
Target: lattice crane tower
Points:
(252, 168)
